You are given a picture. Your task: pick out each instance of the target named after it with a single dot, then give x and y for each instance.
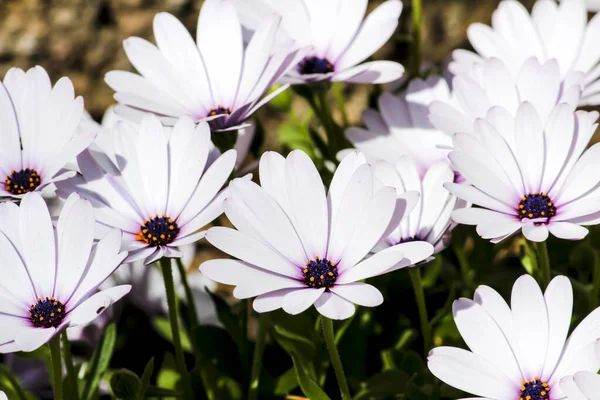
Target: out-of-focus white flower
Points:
(552, 31)
(38, 134)
(522, 351)
(214, 79)
(338, 34)
(52, 274)
(159, 189)
(584, 385)
(524, 174)
(401, 127)
(299, 246)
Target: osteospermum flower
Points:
(51, 274)
(559, 31)
(214, 78)
(524, 174)
(39, 131)
(401, 127)
(521, 352)
(489, 85)
(158, 189)
(338, 33)
(430, 219)
(298, 246)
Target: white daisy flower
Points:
(339, 35)
(401, 127)
(216, 77)
(529, 175)
(52, 274)
(299, 246)
(518, 352)
(490, 84)
(559, 31)
(159, 188)
(39, 131)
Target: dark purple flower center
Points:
(47, 313)
(26, 180)
(536, 205)
(158, 231)
(320, 273)
(316, 65)
(534, 390)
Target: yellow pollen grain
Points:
(305, 270)
(330, 273)
(530, 215)
(312, 278)
(162, 236)
(322, 277)
(59, 310)
(171, 227)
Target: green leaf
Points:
(309, 386)
(227, 318)
(125, 384)
(163, 327)
(99, 362)
(168, 375)
(145, 381)
(387, 383)
(299, 348)
(527, 256)
(286, 382)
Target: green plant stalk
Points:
(542, 250)
(14, 382)
(71, 375)
(334, 356)
(259, 349)
(165, 265)
(415, 278)
(338, 91)
(416, 37)
(335, 140)
(189, 296)
(56, 368)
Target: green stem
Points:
(335, 138)
(165, 265)
(189, 296)
(71, 375)
(338, 91)
(335, 358)
(56, 368)
(259, 349)
(595, 293)
(415, 277)
(416, 37)
(18, 388)
(544, 262)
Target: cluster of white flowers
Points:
(501, 146)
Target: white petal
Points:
(530, 153)
(535, 233)
(30, 339)
(251, 251)
(377, 28)
(95, 305)
(37, 237)
(528, 304)
(270, 301)
(484, 337)
(589, 384)
(333, 306)
(359, 293)
(566, 230)
(471, 373)
(300, 300)
(373, 72)
(569, 387)
(307, 198)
